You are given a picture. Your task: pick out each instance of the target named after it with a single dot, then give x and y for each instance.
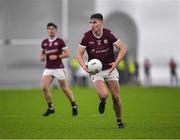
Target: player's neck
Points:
(52, 38)
(98, 33)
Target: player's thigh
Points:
(100, 86)
(113, 86)
(47, 80)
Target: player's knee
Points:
(45, 89)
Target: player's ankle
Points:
(103, 99)
(119, 120)
(73, 103)
(50, 106)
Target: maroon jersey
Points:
(100, 47)
(53, 47)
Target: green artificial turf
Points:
(152, 112)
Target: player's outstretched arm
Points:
(122, 51)
(80, 53)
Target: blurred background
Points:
(150, 30)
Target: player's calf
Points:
(74, 109)
(102, 104)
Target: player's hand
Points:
(89, 72)
(92, 73)
(86, 69)
(53, 57)
(113, 66)
(42, 58)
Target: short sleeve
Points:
(83, 42)
(113, 38)
(63, 44)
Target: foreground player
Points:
(53, 51)
(98, 43)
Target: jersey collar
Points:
(98, 37)
(51, 40)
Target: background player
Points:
(98, 43)
(173, 72)
(53, 51)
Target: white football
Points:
(94, 65)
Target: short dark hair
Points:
(97, 15)
(51, 24)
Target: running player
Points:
(98, 43)
(53, 51)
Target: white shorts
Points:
(58, 73)
(104, 75)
